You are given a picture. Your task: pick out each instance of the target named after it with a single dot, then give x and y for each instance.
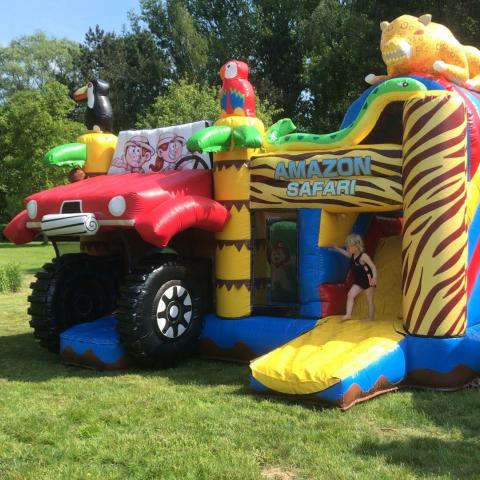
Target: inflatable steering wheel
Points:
(197, 161)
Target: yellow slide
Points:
(335, 350)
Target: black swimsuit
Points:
(361, 273)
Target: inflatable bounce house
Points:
(236, 257)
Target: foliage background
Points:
(308, 60)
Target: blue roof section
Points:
(431, 84)
(355, 107)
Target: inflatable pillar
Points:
(100, 149)
(434, 246)
(233, 244)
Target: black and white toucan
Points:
(99, 114)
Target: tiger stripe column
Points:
(434, 245)
(233, 254)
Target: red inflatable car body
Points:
(156, 205)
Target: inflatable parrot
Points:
(236, 96)
(237, 127)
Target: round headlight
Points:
(32, 209)
(117, 205)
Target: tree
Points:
(32, 122)
(199, 36)
(462, 17)
(188, 102)
(281, 50)
(136, 69)
(342, 47)
(182, 103)
(265, 34)
(188, 47)
(176, 33)
(31, 61)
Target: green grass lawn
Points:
(199, 421)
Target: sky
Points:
(62, 18)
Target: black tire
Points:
(72, 289)
(160, 312)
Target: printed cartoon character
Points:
(410, 44)
(136, 153)
(283, 272)
(169, 151)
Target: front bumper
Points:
(69, 224)
(23, 230)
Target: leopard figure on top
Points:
(418, 45)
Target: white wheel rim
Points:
(174, 312)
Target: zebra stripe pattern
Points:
(434, 245)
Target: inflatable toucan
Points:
(93, 152)
(99, 115)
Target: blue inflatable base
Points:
(93, 345)
(243, 339)
(438, 363)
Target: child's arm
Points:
(368, 261)
(342, 251)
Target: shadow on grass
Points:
(23, 359)
(448, 450)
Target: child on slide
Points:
(364, 274)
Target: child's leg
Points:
(352, 293)
(371, 305)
